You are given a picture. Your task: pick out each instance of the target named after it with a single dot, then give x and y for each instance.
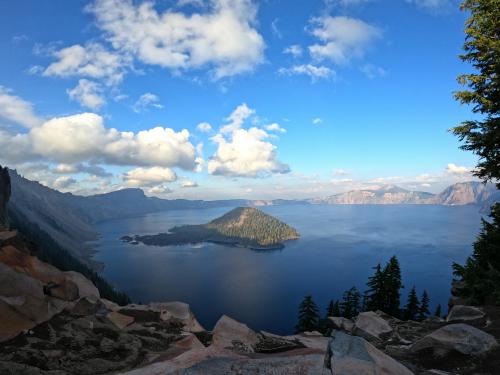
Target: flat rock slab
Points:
(353, 355)
(461, 337)
(370, 325)
(464, 313)
(228, 333)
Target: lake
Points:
(338, 247)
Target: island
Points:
(242, 226)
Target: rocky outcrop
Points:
(460, 337)
(352, 355)
(5, 188)
(230, 334)
(465, 313)
(371, 326)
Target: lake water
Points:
(338, 247)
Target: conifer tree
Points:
(333, 309)
(438, 311)
(350, 305)
(392, 287)
(308, 318)
(376, 290)
(481, 273)
(412, 306)
(423, 311)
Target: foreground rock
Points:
(371, 326)
(462, 338)
(464, 313)
(230, 334)
(352, 355)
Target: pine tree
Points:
(423, 311)
(481, 272)
(308, 316)
(392, 287)
(376, 290)
(350, 305)
(333, 309)
(412, 306)
(438, 311)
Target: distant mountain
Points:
(461, 193)
(242, 226)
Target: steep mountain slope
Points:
(462, 193)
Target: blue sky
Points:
(297, 99)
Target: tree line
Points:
(383, 293)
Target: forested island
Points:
(242, 226)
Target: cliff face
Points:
(5, 188)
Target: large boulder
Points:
(371, 326)
(228, 333)
(464, 313)
(460, 337)
(342, 323)
(353, 355)
(179, 311)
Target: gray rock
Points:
(370, 326)
(464, 313)
(228, 333)
(461, 337)
(352, 355)
(342, 323)
(180, 311)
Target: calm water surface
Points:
(338, 247)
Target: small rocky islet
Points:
(242, 226)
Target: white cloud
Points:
(204, 127)
(295, 50)
(340, 172)
(88, 94)
(237, 118)
(145, 101)
(65, 168)
(343, 38)
(223, 38)
(63, 182)
(276, 31)
(189, 184)
(17, 110)
(313, 71)
(275, 127)
(83, 137)
(244, 153)
(372, 71)
(160, 190)
(91, 61)
(317, 121)
(93, 170)
(458, 170)
(153, 176)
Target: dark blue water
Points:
(338, 247)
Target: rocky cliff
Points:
(5, 188)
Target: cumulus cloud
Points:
(17, 110)
(317, 121)
(63, 182)
(83, 137)
(237, 118)
(204, 127)
(456, 169)
(145, 101)
(91, 61)
(244, 152)
(342, 38)
(140, 177)
(88, 94)
(223, 38)
(160, 190)
(189, 184)
(295, 50)
(313, 71)
(93, 170)
(275, 127)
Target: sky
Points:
(232, 98)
